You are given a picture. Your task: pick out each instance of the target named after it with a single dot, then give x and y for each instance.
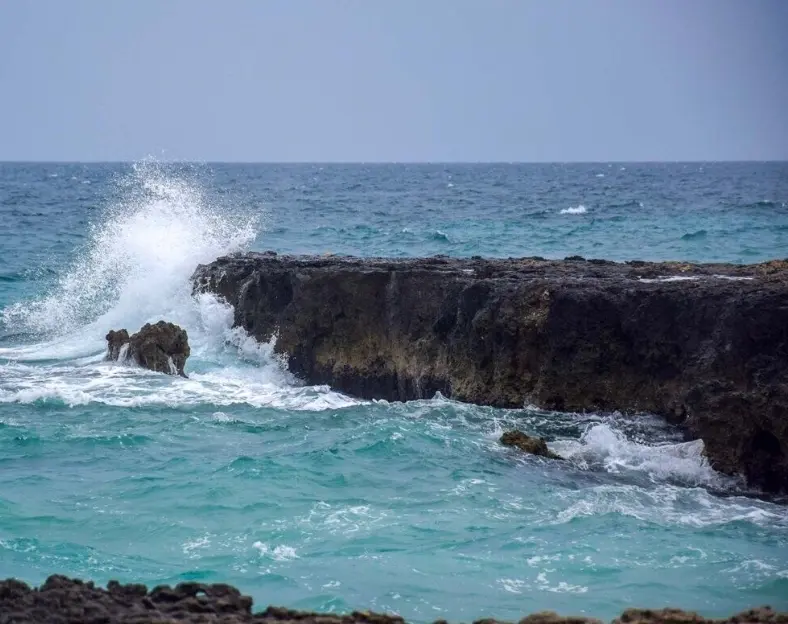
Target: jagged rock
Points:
(708, 351)
(534, 446)
(115, 343)
(61, 600)
(162, 347)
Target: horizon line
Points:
(391, 162)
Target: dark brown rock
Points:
(61, 600)
(162, 347)
(534, 446)
(115, 343)
(709, 353)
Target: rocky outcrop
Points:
(162, 347)
(704, 345)
(527, 444)
(61, 600)
(116, 341)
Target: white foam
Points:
(604, 446)
(667, 505)
(263, 385)
(581, 209)
(191, 545)
(277, 553)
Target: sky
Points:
(394, 80)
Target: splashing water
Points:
(604, 446)
(137, 263)
(135, 269)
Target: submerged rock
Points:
(162, 347)
(706, 346)
(61, 600)
(534, 446)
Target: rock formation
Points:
(163, 347)
(534, 446)
(116, 340)
(61, 600)
(706, 346)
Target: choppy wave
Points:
(602, 446)
(575, 210)
(697, 234)
(766, 203)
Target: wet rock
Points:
(61, 600)
(162, 347)
(706, 346)
(534, 446)
(116, 340)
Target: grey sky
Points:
(404, 80)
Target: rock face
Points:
(61, 600)
(704, 345)
(534, 446)
(163, 347)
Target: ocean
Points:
(306, 498)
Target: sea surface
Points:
(307, 498)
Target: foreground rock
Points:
(65, 601)
(704, 345)
(534, 446)
(163, 347)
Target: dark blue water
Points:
(308, 498)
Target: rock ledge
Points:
(61, 600)
(705, 346)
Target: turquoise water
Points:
(304, 497)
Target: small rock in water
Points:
(162, 347)
(535, 446)
(115, 342)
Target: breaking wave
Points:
(136, 269)
(140, 255)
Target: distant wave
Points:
(694, 235)
(766, 203)
(440, 236)
(581, 209)
(632, 203)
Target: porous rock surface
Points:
(706, 346)
(61, 600)
(162, 347)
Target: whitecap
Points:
(580, 209)
(604, 446)
(281, 552)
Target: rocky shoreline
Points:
(705, 346)
(61, 600)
